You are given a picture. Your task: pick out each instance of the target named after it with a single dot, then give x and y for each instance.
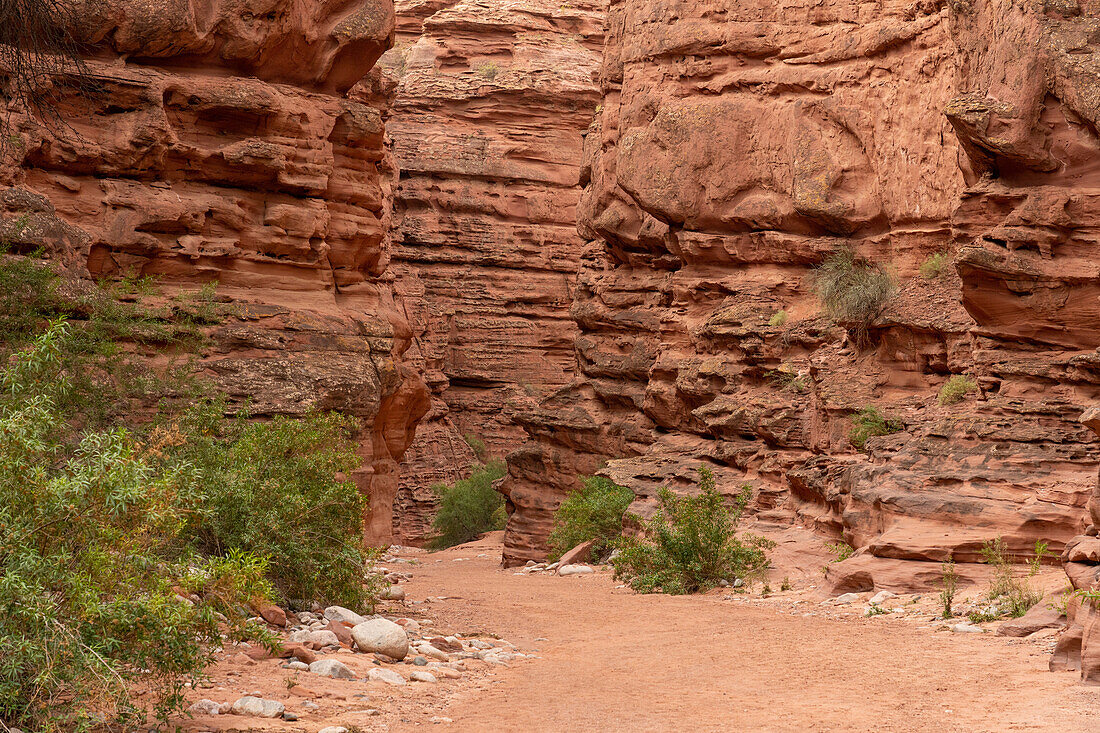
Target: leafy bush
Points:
(273, 489)
(955, 388)
(91, 553)
(868, 423)
(935, 265)
(777, 320)
(469, 508)
(1013, 596)
(593, 512)
(690, 544)
(853, 291)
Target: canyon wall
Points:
(242, 144)
(737, 147)
(491, 101)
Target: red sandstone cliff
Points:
(492, 99)
(219, 143)
(735, 149)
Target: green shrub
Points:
(91, 552)
(1013, 596)
(853, 291)
(469, 508)
(777, 320)
(273, 489)
(477, 445)
(955, 388)
(593, 512)
(868, 423)
(842, 550)
(488, 70)
(935, 265)
(950, 586)
(690, 544)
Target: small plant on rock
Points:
(690, 544)
(842, 550)
(1035, 564)
(955, 388)
(868, 423)
(593, 512)
(778, 320)
(853, 291)
(935, 265)
(470, 507)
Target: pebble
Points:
(965, 628)
(385, 675)
(332, 668)
(440, 719)
(420, 662)
(419, 675)
(287, 715)
(258, 707)
(430, 651)
(334, 729)
(883, 595)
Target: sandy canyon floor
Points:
(605, 659)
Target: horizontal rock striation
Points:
(735, 150)
(235, 143)
(491, 102)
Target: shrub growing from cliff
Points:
(470, 507)
(868, 423)
(854, 292)
(593, 512)
(91, 555)
(690, 544)
(955, 388)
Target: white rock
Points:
(882, 595)
(432, 652)
(346, 615)
(388, 676)
(419, 675)
(382, 636)
(258, 707)
(965, 628)
(205, 707)
(298, 666)
(393, 593)
(845, 599)
(332, 668)
(320, 638)
(575, 570)
(334, 729)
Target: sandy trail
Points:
(617, 661)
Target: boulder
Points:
(381, 636)
(575, 570)
(314, 639)
(579, 554)
(340, 614)
(341, 630)
(270, 613)
(393, 593)
(205, 707)
(1038, 618)
(332, 668)
(379, 674)
(419, 675)
(258, 707)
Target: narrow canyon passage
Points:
(616, 661)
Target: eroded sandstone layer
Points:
(236, 143)
(492, 99)
(738, 145)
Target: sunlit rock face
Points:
(487, 126)
(736, 147)
(241, 143)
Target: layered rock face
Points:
(491, 102)
(235, 143)
(738, 147)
